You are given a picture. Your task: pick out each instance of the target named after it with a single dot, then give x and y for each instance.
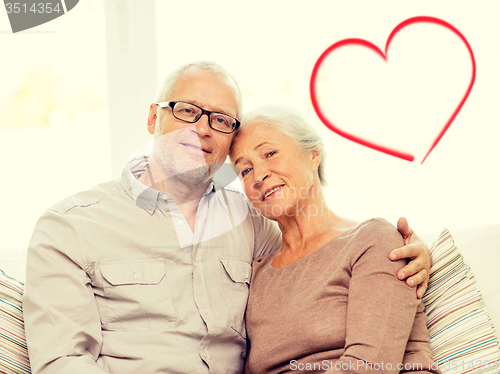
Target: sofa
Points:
(462, 302)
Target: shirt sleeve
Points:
(267, 235)
(62, 323)
(381, 311)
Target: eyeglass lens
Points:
(191, 113)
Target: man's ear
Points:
(152, 118)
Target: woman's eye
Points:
(269, 154)
(245, 172)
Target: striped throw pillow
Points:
(13, 350)
(463, 339)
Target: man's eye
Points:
(246, 171)
(221, 120)
(269, 154)
(187, 111)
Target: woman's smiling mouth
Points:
(271, 191)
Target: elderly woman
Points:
(329, 299)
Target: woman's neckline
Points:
(328, 243)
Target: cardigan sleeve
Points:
(383, 313)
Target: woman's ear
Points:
(152, 118)
(316, 159)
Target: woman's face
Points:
(277, 174)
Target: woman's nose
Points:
(260, 174)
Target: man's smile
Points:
(195, 147)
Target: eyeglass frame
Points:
(171, 104)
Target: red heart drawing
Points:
(371, 46)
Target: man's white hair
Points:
(168, 84)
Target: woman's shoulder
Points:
(378, 227)
(377, 234)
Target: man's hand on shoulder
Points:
(417, 271)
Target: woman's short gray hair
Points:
(168, 84)
(290, 122)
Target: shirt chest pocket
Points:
(136, 296)
(236, 279)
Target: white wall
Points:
(271, 48)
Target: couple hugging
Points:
(151, 273)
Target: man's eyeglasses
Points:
(191, 113)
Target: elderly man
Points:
(150, 273)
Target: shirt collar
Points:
(146, 197)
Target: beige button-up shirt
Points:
(113, 285)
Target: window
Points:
(54, 133)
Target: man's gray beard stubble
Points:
(176, 168)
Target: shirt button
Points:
(179, 222)
(136, 276)
(205, 311)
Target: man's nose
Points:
(203, 127)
